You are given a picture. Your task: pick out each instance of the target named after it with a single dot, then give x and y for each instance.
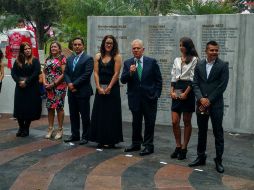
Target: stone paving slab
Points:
(39, 164)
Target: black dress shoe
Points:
(132, 148)
(111, 146)
(198, 162)
(219, 166)
(99, 145)
(146, 151)
(71, 139)
(83, 141)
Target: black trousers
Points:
(79, 107)
(148, 110)
(216, 116)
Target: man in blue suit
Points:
(77, 74)
(144, 84)
(209, 83)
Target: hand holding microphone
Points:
(133, 67)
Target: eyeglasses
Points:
(109, 43)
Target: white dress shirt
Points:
(141, 61)
(183, 71)
(209, 67)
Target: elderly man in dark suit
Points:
(77, 74)
(143, 76)
(209, 83)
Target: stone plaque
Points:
(161, 35)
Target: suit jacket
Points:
(214, 86)
(81, 76)
(150, 86)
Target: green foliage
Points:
(200, 8)
(7, 21)
(151, 7)
(74, 20)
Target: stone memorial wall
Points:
(234, 33)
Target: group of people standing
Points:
(195, 85)
(144, 89)
(198, 85)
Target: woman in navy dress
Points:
(106, 121)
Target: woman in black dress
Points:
(106, 121)
(183, 98)
(27, 99)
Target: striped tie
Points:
(75, 61)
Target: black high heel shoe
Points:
(176, 152)
(182, 154)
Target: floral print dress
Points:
(56, 95)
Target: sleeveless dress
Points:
(106, 120)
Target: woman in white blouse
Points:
(183, 98)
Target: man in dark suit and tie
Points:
(77, 74)
(144, 84)
(209, 83)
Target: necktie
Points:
(139, 69)
(75, 61)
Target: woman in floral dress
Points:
(55, 88)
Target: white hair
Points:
(137, 41)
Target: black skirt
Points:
(187, 105)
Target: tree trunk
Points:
(40, 34)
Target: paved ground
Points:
(34, 163)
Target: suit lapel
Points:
(203, 70)
(213, 70)
(71, 63)
(144, 71)
(79, 60)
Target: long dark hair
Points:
(190, 48)
(114, 50)
(21, 59)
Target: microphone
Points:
(135, 61)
